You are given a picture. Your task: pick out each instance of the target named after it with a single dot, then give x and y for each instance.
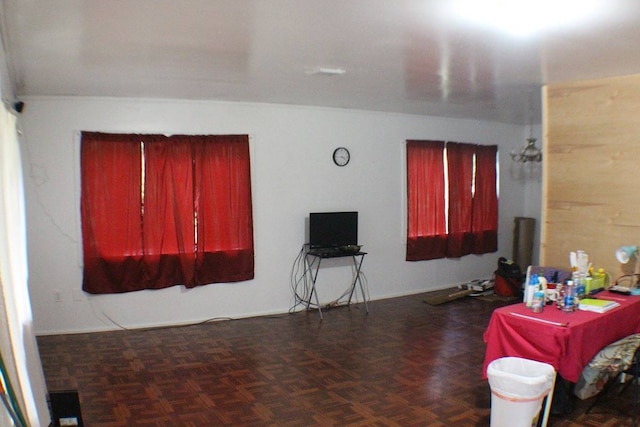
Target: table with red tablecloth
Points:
(567, 341)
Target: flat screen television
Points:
(333, 229)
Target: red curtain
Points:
(225, 223)
(111, 209)
(472, 211)
(168, 226)
(484, 223)
(460, 173)
(426, 222)
(152, 205)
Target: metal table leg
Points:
(358, 280)
(314, 291)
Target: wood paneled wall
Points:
(591, 184)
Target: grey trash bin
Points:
(518, 387)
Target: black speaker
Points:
(65, 408)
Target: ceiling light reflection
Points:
(527, 17)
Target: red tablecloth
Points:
(567, 348)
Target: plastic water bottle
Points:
(532, 287)
(569, 296)
(578, 281)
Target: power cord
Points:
(301, 285)
(300, 280)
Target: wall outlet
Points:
(57, 295)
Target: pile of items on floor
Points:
(479, 287)
(506, 281)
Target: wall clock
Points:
(341, 156)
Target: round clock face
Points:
(341, 156)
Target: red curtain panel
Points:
(159, 211)
(484, 222)
(455, 219)
(460, 159)
(426, 221)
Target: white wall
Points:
(293, 174)
(531, 179)
(533, 200)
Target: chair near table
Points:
(611, 366)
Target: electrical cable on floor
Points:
(300, 288)
(301, 285)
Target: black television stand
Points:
(314, 257)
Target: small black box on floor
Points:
(65, 408)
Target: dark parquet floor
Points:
(406, 363)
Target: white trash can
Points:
(518, 387)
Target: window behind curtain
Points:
(159, 211)
(452, 200)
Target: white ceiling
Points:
(407, 56)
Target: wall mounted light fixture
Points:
(528, 153)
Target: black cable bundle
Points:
(301, 284)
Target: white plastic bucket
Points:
(518, 387)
